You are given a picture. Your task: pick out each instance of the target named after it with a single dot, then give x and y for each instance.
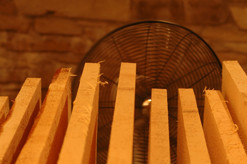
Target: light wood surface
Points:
(223, 141)
(191, 144)
(14, 131)
(121, 139)
(45, 140)
(4, 108)
(81, 135)
(234, 89)
(159, 144)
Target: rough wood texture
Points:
(191, 144)
(4, 108)
(79, 137)
(159, 144)
(223, 141)
(121, 140)
(45, 140)
(14, 131)
(234, 89)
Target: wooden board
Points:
(14, 131)
(191, 144)
(80, 135)
(121, 139)
(159, 144)
(4, 108)
(234, 89)
(45, 140)
(223, 141)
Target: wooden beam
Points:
(121, 140)
(223, 141)
(159, 144)
(44, 143)
(15, 129)
(191, 144)
(4, 108)
(81, 132)
(234, 89)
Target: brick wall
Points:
(39, 36)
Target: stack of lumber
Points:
(55, 131)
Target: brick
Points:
(205, 11)
(13, 74)
(14, 67)
(226, 32)
(19, 42)
(3, 38)
(237, 47)
(10, 89)
(80, 45)
(57, 26)
(66, 58)
(56, 44)
(30, 42)
(103, 10)
(239, 14)
(205, 3)
(92, 31)
(52, 46)
(17, 66)
(241, 57)
(41, 66)
(176, 8)
(144, 9)
(7, 7)
(44, 65)
(15, 23)
(34, 7)
(11, 59)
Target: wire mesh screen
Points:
(167, 56)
